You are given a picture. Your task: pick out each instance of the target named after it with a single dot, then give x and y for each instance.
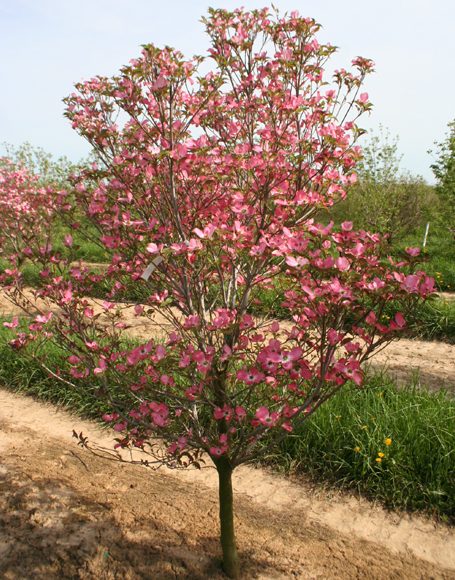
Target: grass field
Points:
(393, 445)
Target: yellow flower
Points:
(381, 454)
(378, 459)
(357, 449)
(388, 441)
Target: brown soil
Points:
(67, 513)
(446, 295)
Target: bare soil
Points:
(67, 513)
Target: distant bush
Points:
(444, 171)
(386, 200)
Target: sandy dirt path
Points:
(431, 362)
(66, 513)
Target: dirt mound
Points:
(66, 513)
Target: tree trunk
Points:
(230, 558)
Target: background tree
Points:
(384, 199)
(444, 171)
(203, 193)
(48, 171)
(26, 210)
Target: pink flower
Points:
(159, 420)
(192, 321)
(371, 318)
(411, 283)
(246, 322)
(223, 319)
(152, 248)
(13, 324)
(138, 309)
(89, 313)
(217, 451)
(160, 353)
(342, 264)
(333, 337)
(160, 413)
(207, 232)
(180, 151)
(266, 418)
(159, 83)
(250, 377)
(225, 413)
(289, 358)
(275, 327)
(101, 368)
(375, 284)
(139, 353)
(352, 347)
(44, 318)
(109, 417)
(172, 449)
(413, 251)
(240, 413)
(184, 361)
(400, 320)
(427, 286)
(67, 296)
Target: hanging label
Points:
(151, 268)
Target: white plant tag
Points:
(151, 268)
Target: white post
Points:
(426, 235)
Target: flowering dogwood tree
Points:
(26, 208)
(205, 193)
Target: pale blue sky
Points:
(47, 45)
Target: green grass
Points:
(340, 443)
(430, 320)
(22, 373)
(435, 320)
(439, 256)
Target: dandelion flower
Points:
(381, 454)
(357, 449)
(378, 459)
(388, 441)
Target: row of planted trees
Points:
(204, 191)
